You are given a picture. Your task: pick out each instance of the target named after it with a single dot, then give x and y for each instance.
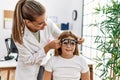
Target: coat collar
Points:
(28, 36)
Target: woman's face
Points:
(68, 46)
(38, 24)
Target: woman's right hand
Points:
(54, 44)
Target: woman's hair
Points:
(25, 9)
(63, 35)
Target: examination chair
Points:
(40, 73)
(11, 48)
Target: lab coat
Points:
(31, 53)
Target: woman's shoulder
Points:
(49, 21)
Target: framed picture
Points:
(8, 18)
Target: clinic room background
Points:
(75, 15)
(60, 11)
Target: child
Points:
(67, 64)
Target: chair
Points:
(11, 48)
(40, 73)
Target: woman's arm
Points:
(53, 28)
(85, 76)
(47, 75)
(28, 56)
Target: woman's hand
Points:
(55, 44)
(80, 40)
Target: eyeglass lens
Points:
(71, 42)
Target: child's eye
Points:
(73, 43)
(65, 43)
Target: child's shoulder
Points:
(54, 57)
(80, 57)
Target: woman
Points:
(67, 64)
(31, 33)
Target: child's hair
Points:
(63, 35)
(25, 9)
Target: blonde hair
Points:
(63, 35)
(25, 9)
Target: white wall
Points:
(4, 33)
(62, 9)
(5, 5)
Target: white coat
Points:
(32, 52)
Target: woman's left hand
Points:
(80, 40)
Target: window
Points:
(89, 33)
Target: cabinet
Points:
(7, 70)
(7, 73)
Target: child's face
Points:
(68, 46)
